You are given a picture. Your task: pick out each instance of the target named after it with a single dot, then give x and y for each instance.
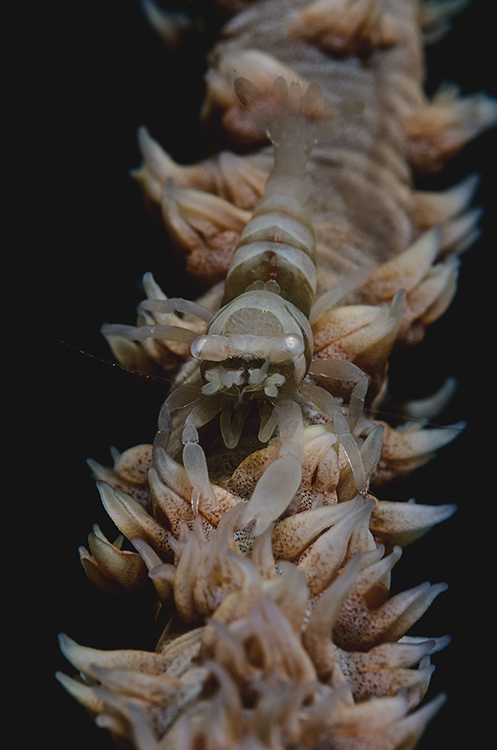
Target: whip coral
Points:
(291, 640)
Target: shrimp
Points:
(259, 345)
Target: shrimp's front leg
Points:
(194, 459)
(277, 486)
(203, 411)
(164, 332)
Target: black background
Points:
(84, 241)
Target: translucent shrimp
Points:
(259, 344)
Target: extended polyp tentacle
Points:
(227, 175)
(436, 18)
(331, 298)
(204, 228)
(436, 131)
(346, 26)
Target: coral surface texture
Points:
(253, 530)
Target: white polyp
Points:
(329, 299)
(195, 498)
(151, 287)
(396, 311)
(273, 493)
(168, 471)
(428, 408)
(380, 566)
(328, 606)
(383, 321)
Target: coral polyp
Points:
(258, 514)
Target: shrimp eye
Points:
(212, 347)
(286, 347)
(197, 346)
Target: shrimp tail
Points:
(291, 116)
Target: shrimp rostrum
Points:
(257, 350)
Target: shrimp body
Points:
(260, 343)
